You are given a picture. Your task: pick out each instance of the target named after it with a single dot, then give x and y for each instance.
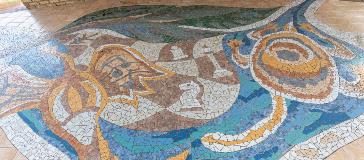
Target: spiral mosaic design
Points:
(295, 66)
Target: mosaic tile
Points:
(185, 82)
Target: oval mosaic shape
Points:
(295, 66)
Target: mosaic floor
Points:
(186, 82)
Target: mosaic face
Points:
(193, 82)
(120, 72)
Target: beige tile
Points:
(7, 153)
(10, 5)
(343, 15)
(19, 156)
(353, 151)
(4, 142)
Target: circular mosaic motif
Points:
(295, 66)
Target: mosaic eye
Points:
(116, 73)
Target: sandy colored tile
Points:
(353, 151)
(343, 15)
(4, 142)
(19, 156)
(7, 153)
